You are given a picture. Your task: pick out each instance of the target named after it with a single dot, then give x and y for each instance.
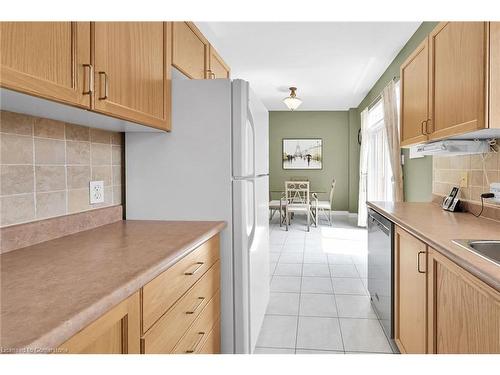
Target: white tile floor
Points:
(319, 300)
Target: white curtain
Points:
(363, 169)
(391, 125)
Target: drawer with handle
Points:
(163, 291)
(199, 332)
(165, 333)
(212, 344)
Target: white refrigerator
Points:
(213, 165)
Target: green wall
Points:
(333, 128)
(417, 173)
(339, 131)
(354, 147)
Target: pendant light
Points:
(292, 102)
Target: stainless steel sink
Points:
(488, 249)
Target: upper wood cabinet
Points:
(458, 76)
(47, 59)
(132, 71)
(414, 96)
(193, 55)
(410, 302)
(116, 332)
(463, 70)
(464, 312)
(119, 69)
(190, 50)
(218, 68)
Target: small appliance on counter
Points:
(452, 202)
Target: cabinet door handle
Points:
(198, 342)
(197, 265)
(106, 86)
(418, 261)
(90, 80)
(210, 74)
(423, 128)
(197, 306)
(426, 126)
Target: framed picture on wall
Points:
(302, 153)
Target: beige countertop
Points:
(438, 228)
(52, 290)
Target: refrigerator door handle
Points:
(254, 223)
(252, 125)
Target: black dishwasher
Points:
(380, 267)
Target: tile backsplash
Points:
(46, 167)
(481, 171)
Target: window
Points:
(379, 174)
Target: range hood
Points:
(452, 147)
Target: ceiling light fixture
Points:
(292, 102)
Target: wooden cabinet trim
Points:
(494, 76)
(167, 86)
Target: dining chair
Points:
(277, 205)
(323, 207)
(297, 200)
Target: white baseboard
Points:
(335, 213)
(345, 213)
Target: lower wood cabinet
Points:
(182, 303)
(212, 343)
(166, 333)
(440, 307)
(116, 332)
(196, 335)
(464, 312)
(160, 294)
(410, 293)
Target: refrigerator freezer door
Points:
(250, 133)
(251, 259)
(260, 116)
(243, 130)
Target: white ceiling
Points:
(333, 64)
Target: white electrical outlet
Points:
(96, 192)
(495, 189)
